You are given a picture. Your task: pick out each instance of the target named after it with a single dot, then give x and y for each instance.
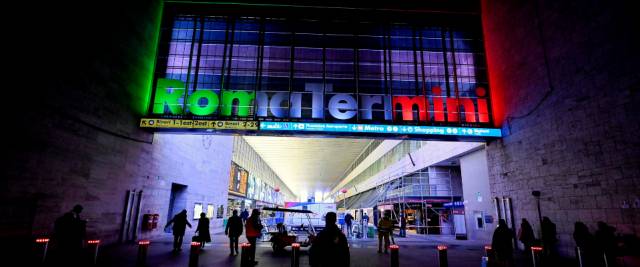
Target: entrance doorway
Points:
(177, 201)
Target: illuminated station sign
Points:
(260, 76)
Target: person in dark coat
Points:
(203, 229)
(69, 236)
(180, 223)
(584, 241)
(606, 242)
(502, 243)
(549, 237)
(525, 235)
(348, 221)
(233, 230)
(244, 215)
(330, 247)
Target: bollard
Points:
(579, 256)
(194, 254)
(442, 256)
(244, 256)
(143, 247)
(488, 254)
(42, 245)
(93, 250)
(535, 255)
(295, 255)
(395, 255)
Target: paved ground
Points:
(414, 251)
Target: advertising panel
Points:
(238, 180)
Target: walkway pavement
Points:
(414, 251)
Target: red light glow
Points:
(442, 247)
(394, 247)
(295, 245)
(536, 248)
(42, 240)
(144, 242)
(93, 242)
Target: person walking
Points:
(385, 226)
(330, 247)
(502, 244)
(525, 235)
(180, 223)
(253, 227)
(203, 229)
(348, 221)
(233, 230)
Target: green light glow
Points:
(171, 99)
(149, 60)
(244, 102)
(209, 108)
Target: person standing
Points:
(233, 230)
(549, 238)
(180, 223)
(253, 227)
(69, 234)
(203, 229)
(330, 247)
(348, 221)
(403, 226)
(502, 244)
(244, 215)
(525, 235)
(606, 241)
(584, 242)
(385, 226)
(365, 225)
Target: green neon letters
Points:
(200, 102)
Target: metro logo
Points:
(170, 99)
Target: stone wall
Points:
(571, 121)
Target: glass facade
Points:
(323, 70)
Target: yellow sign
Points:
(198, 124)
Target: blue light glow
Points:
(379, 129)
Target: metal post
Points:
(194, 254)
(93, 250)
(606, 261)
(295, 255)
(442, 256)
(143, 247)
(535, 255)
(244, 256)
(395, 255)
(42, 245)
(579, 256)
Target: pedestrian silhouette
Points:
(525, 235)
(584, 241)
(502, 244)
(69, 236)
(385, 226)
(253, 227)
(348, 221)
(233, 230)
(606, 240)
(203, 229)
(180, 223)
(549, 238)
(330, 247)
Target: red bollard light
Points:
(194, 254)
(244, 256)
(42, 246)
(442, 256)
(395, 255)
(295, 255)
(535, 255)
(143, 247)
(93, 246)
